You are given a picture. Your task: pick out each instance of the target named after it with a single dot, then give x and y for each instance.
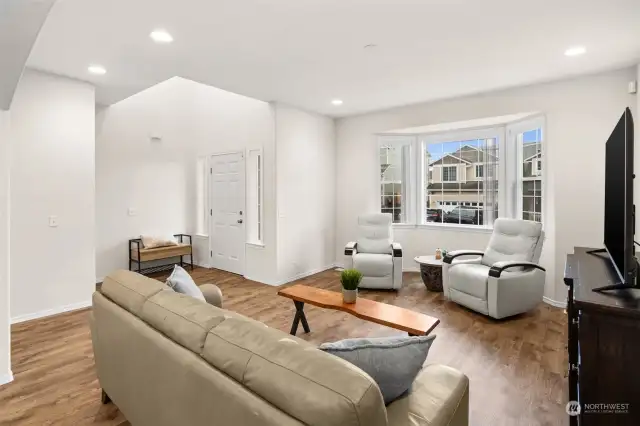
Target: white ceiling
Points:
(308, 52)
(20, 21)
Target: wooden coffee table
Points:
(414, 323)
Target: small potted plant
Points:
(350, 279)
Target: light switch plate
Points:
(132, 211)
(53, 221)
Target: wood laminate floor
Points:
(516, 367)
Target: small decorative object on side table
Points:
(350, 280)
(431, 272)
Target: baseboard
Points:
(49, 312)
(6, 378)
(555, 303)
(302, 275)
(306, 274)
(404, 269)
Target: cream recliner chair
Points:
(506, 279)
(375, 254)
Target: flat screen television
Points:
(619, 210)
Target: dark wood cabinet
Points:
(604, 343)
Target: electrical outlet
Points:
(53, 221)
(132, 211)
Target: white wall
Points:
(52, 174)
(580, 114)
(305, 152)
(157, 179)
(5, 323)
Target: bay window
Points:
(465, 178)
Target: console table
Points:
(604, 344)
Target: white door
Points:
(227, 212)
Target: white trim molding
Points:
(6, 378)
(295, 277)
(50, 312)
(555, 303)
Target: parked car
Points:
(465, 215)
(434, 215)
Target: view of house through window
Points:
(394, 174)
(457, 189)
(530, 143)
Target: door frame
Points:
(244, 206)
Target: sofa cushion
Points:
(393, 362)
(469, 278)
(373, 265)
(374, 233)
(310, 385)
(182, 318)
(130, 290)
(512, 240)
(154, 241)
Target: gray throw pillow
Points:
(181, 282)
(392, 362)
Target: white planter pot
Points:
(349, 296)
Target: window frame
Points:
(510, 188)
(481, 168)
(489, 132)
(408, 191)
(259, 240)
(455, 172)
(513, 130)
(202, 196)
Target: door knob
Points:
(239, 220)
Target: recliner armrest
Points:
(448, 258)
(498, 267)
(397, 249)
(350, 248)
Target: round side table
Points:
(431, 272)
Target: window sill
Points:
(446, 227)
(256, 245)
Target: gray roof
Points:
(453, 186)
(530, 149)
(466, 153)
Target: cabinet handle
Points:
(575, 321)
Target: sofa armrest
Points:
(350, 248)
(212, 294)
(439, 396)
(397, 249)
(448, 258)
(498, 267)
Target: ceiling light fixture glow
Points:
(161, 36)
(337, 102)
(97, 69)
(575, 51)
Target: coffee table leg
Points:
(299, 317)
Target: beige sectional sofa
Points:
(166, 359)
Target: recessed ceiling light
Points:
(161, 36)
(575, 51)
(97, 69)
(337, 101)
